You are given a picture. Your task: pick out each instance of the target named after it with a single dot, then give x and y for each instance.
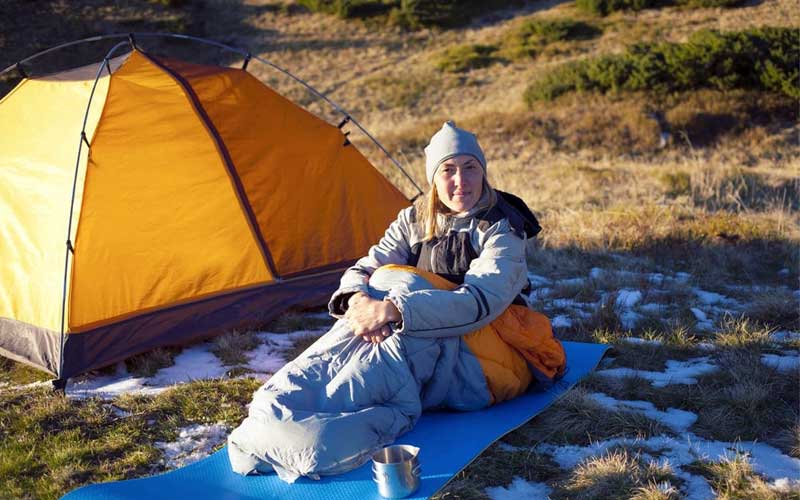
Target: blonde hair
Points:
(429, 206)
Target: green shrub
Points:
(465, 57)
(700, 4)
(760, 59)
(434, 12)
(606, 7)
(350, 8)
(533, 35)
(170, 3)
(409, 13)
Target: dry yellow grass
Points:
(719, 201)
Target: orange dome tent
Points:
(201, 200)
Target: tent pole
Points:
(61, 382)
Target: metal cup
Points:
(396, 470)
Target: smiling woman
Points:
(431, 317)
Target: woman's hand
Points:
(379, 335)
(369, 317)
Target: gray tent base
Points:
(173, 326)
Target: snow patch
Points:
(637, 340)
(629, 319)
(695, 487)
(193, 363)
(572, 281)
(628, 298)
(677, 372)
(699, 314)
(784, 336)
(652, 308)
(709, 298)
(677, 420)
(683, 450)
(194, 443)
(537, 280)
(785, 485)
(119, 412)
(539, 293)
(519, 488)
(561, 321)
(786, 364)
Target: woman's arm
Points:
(393, 248)
(494, 279)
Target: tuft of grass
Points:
(578, 419)
(585, 291)
(292, 321)
(604, 323)
(738, 190)
(461, 58)
(532, 36)
(349, 8)
(606, 7)
(733, 478)
(148, 363)
(299, 346)
(742, 334)
(399, 92)
(656, 491)
(777, 309)
(13, 373)
(746, 400)
(496, 466)
(232, 346)
(620, 475)
(649, 356)
(677, 183)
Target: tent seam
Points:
(227, 161)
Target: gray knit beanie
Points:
(448, 142)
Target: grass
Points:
(50, 444)
(777, 309)
(734, 479)
(294, 320)
(148, 363)
(232, 346)
(462, 58)
(699, 180)
(578, 419)
(619, 475)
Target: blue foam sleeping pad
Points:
(448, 442)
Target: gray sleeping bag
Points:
(344, 398)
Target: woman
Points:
(425, 322)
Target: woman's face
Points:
(459, 182)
